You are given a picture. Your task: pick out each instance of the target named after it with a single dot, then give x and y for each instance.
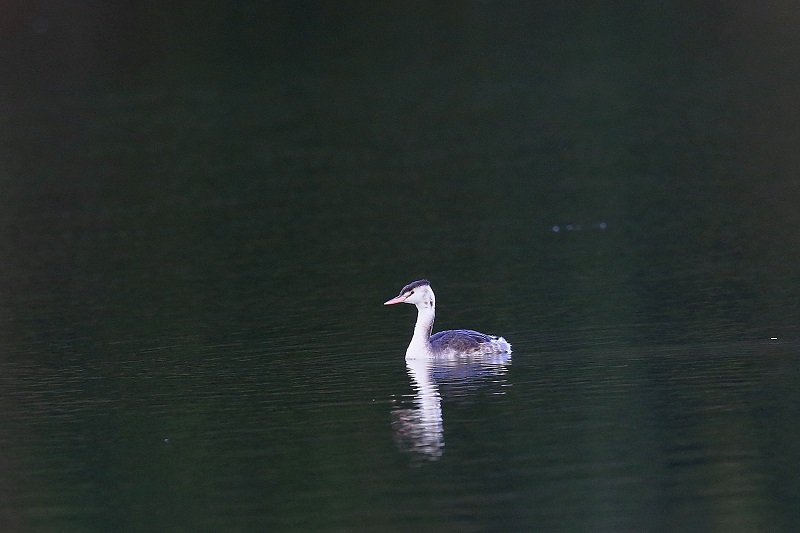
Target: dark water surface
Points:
(204, 209)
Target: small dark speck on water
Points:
(577, 227)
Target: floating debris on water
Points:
(601, 226)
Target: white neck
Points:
(420, 345)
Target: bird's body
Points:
(445, 344)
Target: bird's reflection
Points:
(419, 430)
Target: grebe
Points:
(451, 343)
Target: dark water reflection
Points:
(204, 209)
(419, 429)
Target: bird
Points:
(445, 344)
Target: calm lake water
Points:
(204, 210)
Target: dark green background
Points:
(204, 205)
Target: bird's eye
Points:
(410, 293)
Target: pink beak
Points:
(397, 299)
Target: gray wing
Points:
(460, 340)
